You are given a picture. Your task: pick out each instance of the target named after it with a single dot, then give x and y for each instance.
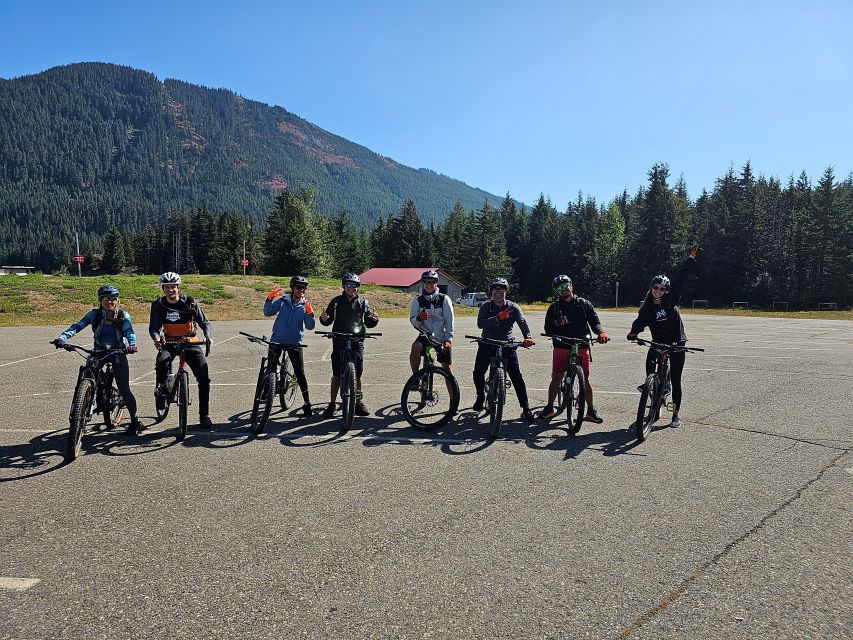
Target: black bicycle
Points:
(178, 385)
(274, 378)
(95, 392)
(348, 377)
(655, 390)
(571, 396)
(498, 381)
(426, 401)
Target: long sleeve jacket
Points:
(572, 319)
(664, 319)
(493, 327)
(440, 319)
(107, 334)
(289, 327)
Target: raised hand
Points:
(276, 290)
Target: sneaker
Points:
(135, 426)
(478, 405)
(361, 409)
(548, 412)
(676, 422)
(592, 415)
(205, 422)
(329, 412)
(306, 409)
(527, 415)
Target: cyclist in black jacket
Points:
(570, 317)
(659, 312)
(348, 313)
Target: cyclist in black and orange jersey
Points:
(175, 316)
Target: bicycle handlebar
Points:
(264, 340)
(348, 336)
(581, 341)
(435, 343)
(94, 352)
(498, 343)
(662, 346)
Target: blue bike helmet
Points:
(107, 291)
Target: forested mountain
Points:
(92, 146)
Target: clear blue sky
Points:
(525, 97)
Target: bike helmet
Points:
(558, 282)
(429, 274)
(495, 283)
(350, 277)
(661, 279)
(298, 280)
(107, 291)
(170, 277)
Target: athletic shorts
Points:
(558, 360)
(357, 357)
(445, 355)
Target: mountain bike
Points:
(498, 381)
(348, 384)
(427, 403)
(655, 390)
(178, 385)
(95, 392)
(571, 395)
(273, 378)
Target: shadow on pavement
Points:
(40, 455)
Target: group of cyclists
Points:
(178, 318)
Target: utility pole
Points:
(617, 293)
(77, 256)
(244, 262)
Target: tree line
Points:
(763, 241)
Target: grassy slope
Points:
(56, 300)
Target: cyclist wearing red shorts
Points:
(570, 317)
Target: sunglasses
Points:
(658, 287)
(499, 289)
(111, 298)
(351, 285)
(430, 281)
(563, 286)
(301, 287)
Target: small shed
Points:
(409, 279)
(6, 270)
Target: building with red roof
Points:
(409, 279)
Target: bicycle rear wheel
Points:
(81, 410)
(647, 409)
(426, 402)
(348, 394)
(287, 383)
(496, 399)
(574, 397)
(264, 395)
(183, 403)
(114, 411)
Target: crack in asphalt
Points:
(775, 435)
(697, 573)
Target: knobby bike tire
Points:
(286, 384)
(81, 409)
(183, 403)
(421, 395)
(263, 402)
(348, 386)
(647, 408)
(497, 393)
(574, 394)
(161, 414)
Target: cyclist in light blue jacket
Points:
(294, 315)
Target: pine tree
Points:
(114, 259)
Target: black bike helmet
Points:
(350, 277)
(299, 280)
(429, 274)
(495, 283)
(170, 277)
(557, 282)
(107, 291)
(661, 279)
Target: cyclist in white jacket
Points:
(432, 313)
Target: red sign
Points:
(244, 263)
(78, 259)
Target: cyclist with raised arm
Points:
(111, 326)
(496, 319)
(570, 316)
(659, 312)
(294, 314)
(176, 317)
(348, 313)
(432, 313)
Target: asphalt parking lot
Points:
(735, 525)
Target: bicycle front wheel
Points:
(348, 394)
(264, 395)
(183, 403)
(81, 410)
(496, 399)
(287, 385)
(574, 397)
(430, 398)
(647, 409)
